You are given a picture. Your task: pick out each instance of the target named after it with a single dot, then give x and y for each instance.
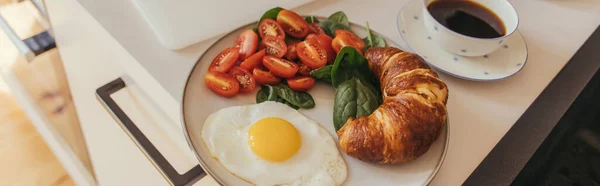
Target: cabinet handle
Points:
(158, 160)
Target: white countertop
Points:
(97, 49)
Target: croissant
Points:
(411, 117)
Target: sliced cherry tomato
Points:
(292, 23)
(301, 83)
(245, 79)
(315, 28)
(280, 67)
(224, 60)
(253, 61)
(303, 69)
(312, 54)
(325, 41)
(247, 43)
(221, 83)
(291, 51)
(265, 77)
(270, 27)
(346, 38)
(274, 46)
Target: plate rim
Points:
(221, 37)
(455, 74)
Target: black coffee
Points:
(467, 18)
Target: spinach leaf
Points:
(348, 64)
(269, 14)
(323, 73)
(373, 40)
(330, 27)
(311, 19)
(284, 94)
(300, 99)
(336, 21)
(339, 18)
(354, 98)
(326, 26)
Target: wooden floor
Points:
(24, 156)
(25, 159)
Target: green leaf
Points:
(373, 40)
(311, 19)
(326, 26)
(323, 73)
(262, 95)
(353, 98)
(330, 27)
(266, 93)
(349, 63)
(269, 14)
(283, 94)
(300, 99)
(339, 18)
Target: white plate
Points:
(199, 102)
(500, 64)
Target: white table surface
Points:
(97, 49)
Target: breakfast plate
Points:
(500, 64)
(199, 103)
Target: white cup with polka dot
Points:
(464, 45)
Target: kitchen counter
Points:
(102, 40)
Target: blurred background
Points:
(33, 78)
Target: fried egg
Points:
(272, 144)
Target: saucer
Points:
(500, 64)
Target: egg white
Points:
(317, 162)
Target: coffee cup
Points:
(461, 32)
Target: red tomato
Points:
(269, 27)
(280, 67)
(292, 23)
(303, 69)
(274, 46)
(263, 77)
(245, 79)
(291, 51)
(224, 60)
(301, 83)
(325, 41)
(247, 43)
(346, 38)
(221, 83)
(312, 54)
(253, 61)
(315, 28)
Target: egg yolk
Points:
(274, 139)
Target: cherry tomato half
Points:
(245, 79)
(265, 77)
(274, 46)
(247, 43)
(253, 61)
(315, 28)
(280, 67)
(325, 41)
(292, 23)
(221, 83)
(346, 38)
(224, 60)
(291, 51)
(301, 83)
(270, 27)
(303, 69)
(312, 54)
